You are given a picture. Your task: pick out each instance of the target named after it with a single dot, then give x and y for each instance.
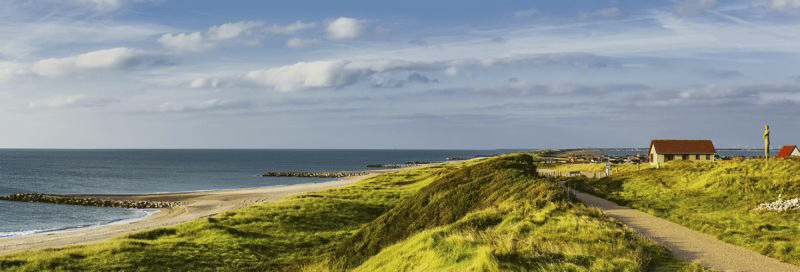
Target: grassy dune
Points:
(717, 198)
(484, 216)
(593, 167)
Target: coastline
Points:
(193, 205)
(28, 233)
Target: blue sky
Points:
(410, 74)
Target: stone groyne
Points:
(396, 165)
(389, 165)
(72, 200)
(342, 174)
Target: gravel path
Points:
(687, 244)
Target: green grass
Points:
(716, 198)
(282, 236)
(593, 167)
(486, 216)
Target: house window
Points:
(708, 157)
(697, 157)
(685, 157)
(669, 157)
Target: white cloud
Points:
(769, 98)
(693, 7)
(197, 41)
(713, 91)
(185, 41)
(784, 5)
(203, 83)
(115, 58)
(8, 72)
(232, 30)
(385, 82)
(722, 73)
(102, 5)
(611, 12)
(341, 73)
(608, 12)
(304, 75)
(206, 105)
(26, 39)
(5, 74)
(326, 73)
(299, 43)
(290, 28)
(526, 13)
(344, 28)
(451, 71)
(72, 101)
(719, 95)
(245, 32)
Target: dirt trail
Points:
(687, 244)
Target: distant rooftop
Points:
(683, 146)
(786, 151)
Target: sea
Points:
(159, 171)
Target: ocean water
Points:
(153, 171)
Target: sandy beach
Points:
(193, 205)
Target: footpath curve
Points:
(687, 244)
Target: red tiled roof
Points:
(786, 151)
(683, 146)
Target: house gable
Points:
(789, 150)
(683, 147)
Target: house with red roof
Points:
(789, 151)
(662, 151)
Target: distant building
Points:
(789, 151)
(662, 151)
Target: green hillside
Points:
(489, 215)
(717, 198)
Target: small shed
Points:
(662, 151)
(789, 151)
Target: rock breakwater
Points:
(83, 201)
(396, 165)
(341, 174)
(388, 165)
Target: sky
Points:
(397, 75)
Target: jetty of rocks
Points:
(72, 200)
(389, 165)
(341, 174)
(396, 165)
